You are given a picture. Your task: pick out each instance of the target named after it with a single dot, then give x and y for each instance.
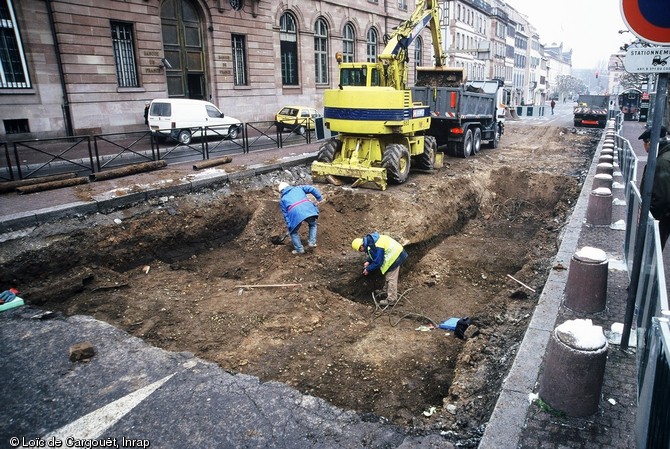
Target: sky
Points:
(589, 27)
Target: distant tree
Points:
(632, 80)
(568, 85)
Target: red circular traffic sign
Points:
(648, 19)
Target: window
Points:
(13, 67)
(372, 45)
(288, 42)
(239, 60)
(402, 4)
(348, 43)
(124, 54)
(16, 126)
(418, 54)
(321, 52)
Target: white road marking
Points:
(94, 424)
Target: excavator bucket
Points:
(439, 76)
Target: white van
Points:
(182, 118)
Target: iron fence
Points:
(85, 155)
(652, 425)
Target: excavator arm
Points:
(395, 56)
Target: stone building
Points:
(77, 67)
(88, 66)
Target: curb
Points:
(508, 418)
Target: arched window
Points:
(348, 43)
(288, 43)
(418, 54)
(372, 40)
(321, 52)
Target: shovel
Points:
(278, 240)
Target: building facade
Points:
(76, 67)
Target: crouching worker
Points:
(297, 207)
(383, 254)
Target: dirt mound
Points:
(199, 273)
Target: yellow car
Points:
(296, 119)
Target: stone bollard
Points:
(606, 159)
(586, 287)
(599, 209)
(574, 368)
(604, 167)
(606, 152)
(608, 145)
(602, 180)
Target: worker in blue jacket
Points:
(386, 255)
(297, 207)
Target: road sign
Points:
(647, 60)
(648, 19)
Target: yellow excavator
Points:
(380, 129)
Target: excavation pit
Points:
(199, 273)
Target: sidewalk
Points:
(518, 423)
(19, 211)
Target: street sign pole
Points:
(659, 113)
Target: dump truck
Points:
(591, 110)
(463, 115)
(381, 130)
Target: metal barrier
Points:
(653, 414)
(652, 425)
(57, 155)
(107, 148)
(6, 173)
(35, 158)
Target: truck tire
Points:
(329, 151)
(426, 160)
(493, 143)
(477, 141)
(396, 162)
(184, 136)
(465, 148)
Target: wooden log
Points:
(11, 186)
(267, 285)
(127, 170)
(51, 185)
(213, 163)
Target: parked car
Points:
(297, 119)
(181, 118)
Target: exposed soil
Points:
(179, 273)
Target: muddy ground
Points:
(200, 274)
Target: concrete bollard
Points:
(608, 145)
(599, 208)
(602, 180)
(574, 368)
(586, 287)
(607, 152)
(604, 167)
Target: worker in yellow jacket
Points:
(383, 254)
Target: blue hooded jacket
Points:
(295, 205)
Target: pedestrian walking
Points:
(660, 191)
(298, 208)
(386, 255)
(146, 113)
(552, 104)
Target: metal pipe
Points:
(67, 113)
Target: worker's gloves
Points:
(8, 295)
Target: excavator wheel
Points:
(426, 161)
(477, 141)
(396, 161)
(329, 151)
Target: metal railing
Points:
(85, 155)
(652, 425)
